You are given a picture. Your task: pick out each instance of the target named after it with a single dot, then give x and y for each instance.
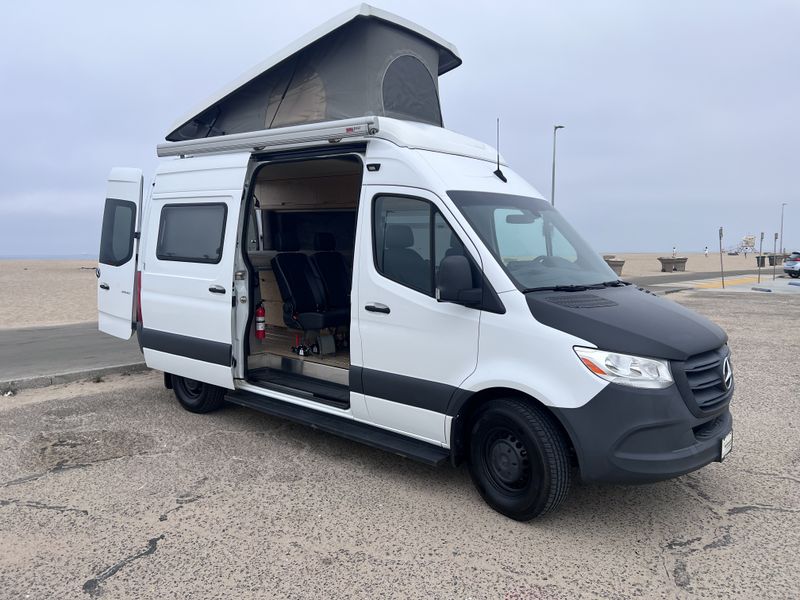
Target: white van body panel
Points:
(518, 352)
(421, 338)
(179, 309)
(419, 423)
(115, 283)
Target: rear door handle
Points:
(104, 286)
(216, 289)
(378, 307)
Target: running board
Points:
(347, 428)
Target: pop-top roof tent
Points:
(364, 62)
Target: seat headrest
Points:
(398, 237)
(286, 241)
(324, 241)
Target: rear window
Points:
(116, 239)
(192, 232)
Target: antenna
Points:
(500, 175)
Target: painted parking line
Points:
(711, 284)
(717, 283)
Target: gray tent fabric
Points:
(367, 66)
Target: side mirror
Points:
(454, 282)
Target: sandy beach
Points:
(47, 292)
(638, 264)
(57, 292)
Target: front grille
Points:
(706, 378)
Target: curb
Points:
(58, 378)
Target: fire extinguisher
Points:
(261, 321)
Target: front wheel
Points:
(519, 459)
(196, 396)
(794, 275)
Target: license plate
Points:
(726, 446)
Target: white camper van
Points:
(315, 245)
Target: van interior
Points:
(300, 240)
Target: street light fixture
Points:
(553, 179)
(783, 250)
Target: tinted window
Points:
(409, 92)
(191, 232)
(116, 240)
(407, 233)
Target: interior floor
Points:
(279, 341)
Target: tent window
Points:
(409, 92)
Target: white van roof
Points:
(406, 134)
(342, 76)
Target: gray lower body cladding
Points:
(628, 435)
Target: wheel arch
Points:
(465, 404)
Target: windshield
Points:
(533, 242)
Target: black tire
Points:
(196, 396)
(519, 459)
(794, 275)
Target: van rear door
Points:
(117, 261)
(191, 232)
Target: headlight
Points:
(634, 371)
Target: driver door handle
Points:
(216, 289)
(378, 307)
(104, 286)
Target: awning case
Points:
(364, 62)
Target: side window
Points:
(192, 232)
(402, 241)
(116, 239)
(445, 240)
(411, 238)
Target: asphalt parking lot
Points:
(110, 489)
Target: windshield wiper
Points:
(616, 283)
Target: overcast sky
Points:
(680, 116)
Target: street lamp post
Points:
(782, 207)
(553, 179)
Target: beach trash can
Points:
(616, 265)
(760, 260)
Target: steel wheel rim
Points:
(192, 388)
(506, 460)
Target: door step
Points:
(347, 428)
(325, 392)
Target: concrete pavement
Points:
(32, 352)
(111, 490)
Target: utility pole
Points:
(760, 258)
(782, 248)
(774, 256)
(721, 268)
(553, 178)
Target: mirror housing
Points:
(454, 282)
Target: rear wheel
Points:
(196, 396)
(519, 459)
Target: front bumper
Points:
(628, 435)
